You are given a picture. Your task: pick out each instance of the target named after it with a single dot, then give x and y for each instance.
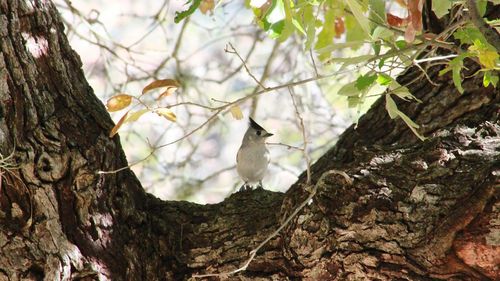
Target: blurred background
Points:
(125, 45)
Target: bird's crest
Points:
(254, 125)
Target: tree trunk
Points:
(413, 211)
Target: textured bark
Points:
(415, 210)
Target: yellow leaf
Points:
(160, 84)
(118, 102)
(167, 113)
(488, 58)
(134, 116)
(236, 112)
(206, 5)
(118, 125)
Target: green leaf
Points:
(412, 125)
(394, 112)
(182, 15)
(354, 32)
(441, 7)
(391, 107)
(457, 79)
(377, 12)
(275, 30)
(299, 27)
(472, 36)
(381, 63)
(365, 81)
(455, 66)
(481, 7)
(349, 89)
(402, 92)
(309, 21)
(384, 79)
(325, 36)
(377, 18)
(357, 11)
(401, 44)
(288, 27)
(381, 32)
(377, 47)
(468, 35)
(490, 78)
(274, 19)
(353, 101)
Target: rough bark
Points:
(415, 210)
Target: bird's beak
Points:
(268, 135)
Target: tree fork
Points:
(416, 210)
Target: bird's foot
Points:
(245, 187)
(259, 186)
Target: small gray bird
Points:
(253, 157)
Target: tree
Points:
(384, 205)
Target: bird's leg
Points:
(244, 187)
(259, 186)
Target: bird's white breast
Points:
(252, 162)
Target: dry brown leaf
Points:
(396, 21)
(206, 6)
(118, 102)
(431, 36)
(160, 84)
(415, 19)
(118, 125)
(410, 33)
(170, 90)
(339, 27)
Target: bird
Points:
(253, 157)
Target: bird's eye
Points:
(259, 133)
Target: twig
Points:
(435, 58)
(313, 62)
(304, 137)
(237, 69)
(233, 51)
(285, 145)
(126, 167)
(425, 74)
(195, 129)
(263, 77)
